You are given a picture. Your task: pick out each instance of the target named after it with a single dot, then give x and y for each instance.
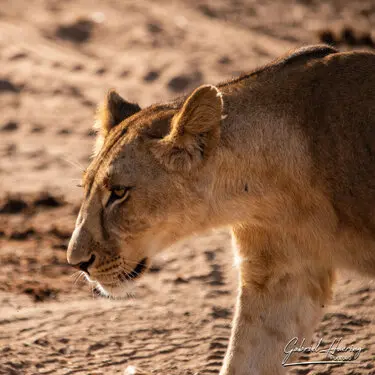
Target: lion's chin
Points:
(124, 284)
(118, 291)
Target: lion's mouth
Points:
(137, 271)
(119, 286)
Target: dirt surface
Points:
(57, 59)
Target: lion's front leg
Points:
(282, 292)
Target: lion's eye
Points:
(118, 195)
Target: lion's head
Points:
(147, 186)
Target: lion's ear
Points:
(195, 131)
(110, 113)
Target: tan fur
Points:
(109, 114)
(284, 155)
(195, 131)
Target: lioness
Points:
(284, 155)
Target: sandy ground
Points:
(57, 59)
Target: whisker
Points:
(126, 269)
(130, 272)
(73, 163)
(93, 291)
(80, 277)
(131, 261)
(131, 294)
(98, 293)
(77, 276)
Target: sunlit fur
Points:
(284, 155)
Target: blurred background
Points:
(57, 60)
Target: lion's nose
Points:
(79, 253)
(84, 266)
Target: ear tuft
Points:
(110, 113)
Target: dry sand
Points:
(57, 59)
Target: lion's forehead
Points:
(145, 119)
(121, 160)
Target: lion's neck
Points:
(258, 166)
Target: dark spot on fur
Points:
(246, 188)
